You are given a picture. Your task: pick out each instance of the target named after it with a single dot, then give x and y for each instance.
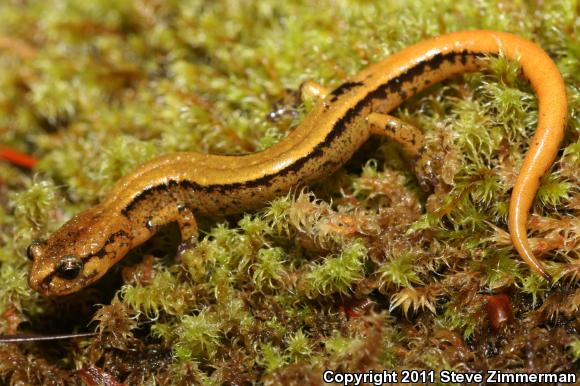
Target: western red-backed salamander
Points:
(174, 187)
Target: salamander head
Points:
(79, 253)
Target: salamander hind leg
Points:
(406, 134)
(313, 91)
(412, 140)
(288, 106)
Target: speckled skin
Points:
(174, 187)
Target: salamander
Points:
(176, 187)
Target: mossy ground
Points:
(359, 272)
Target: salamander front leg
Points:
(171, 213)
(187, 228)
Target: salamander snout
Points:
(34, 249)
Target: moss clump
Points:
(337, 274)
(362, 271)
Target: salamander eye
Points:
(69, 267)
(33, 249)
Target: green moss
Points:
(299, 347)
(553, 192)
(14, 287)
(166, 293)
(337, 274)
(399, 271)
(502, 269)
(198, 337)
(534, 286)
(339, 346)
(460, 318)
(32, 206)
(269, 270)
(271, 358)
(575, 349)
